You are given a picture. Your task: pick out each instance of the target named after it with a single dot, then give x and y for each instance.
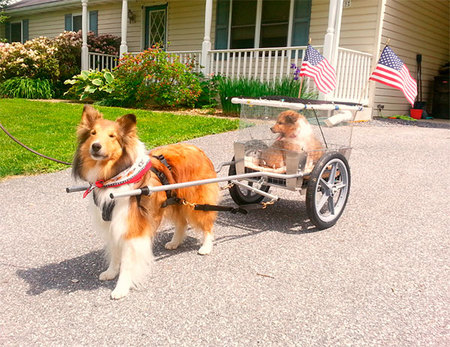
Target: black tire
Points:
(328, 190)
(242, 196)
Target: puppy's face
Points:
(102, 139)
(287, 123)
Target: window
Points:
(17, 31)
(274, 23)
(262, 23)
(74, 22)
(77, 23)
(243, 23)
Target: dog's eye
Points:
(93, 132)
(111, 135)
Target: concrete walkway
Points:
(380, 277)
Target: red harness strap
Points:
(131, 175)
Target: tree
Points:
(3, 4)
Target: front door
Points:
(156, 26)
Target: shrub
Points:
(107, 43)
(155, 78)
(96, 85)
(22, 87)
(229, 88)
(210, 92)
(33, 59)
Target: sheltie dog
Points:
(108, 148)
(295, 134)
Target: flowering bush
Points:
(33, 59)
(107, 43)
(155, 77)
(68, 53)
(52, 59)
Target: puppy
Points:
(295, 134)
(111, 157)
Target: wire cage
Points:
(289, 135)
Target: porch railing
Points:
(100, 61)
(270, 64)
(352, 73)
(265, 64)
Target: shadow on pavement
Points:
(81, 273)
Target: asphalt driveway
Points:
(379, 277)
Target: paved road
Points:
(379, 277)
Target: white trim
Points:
(291, 24)
(258, 21)
(230, 13)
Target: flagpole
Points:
(302, 77)
(368, 82)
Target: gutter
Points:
(61, 5)
(38, 8)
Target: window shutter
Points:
(93, 21)
(8, 31)
(300, 26)
(25, 30)
(222, 19)
(68, 22)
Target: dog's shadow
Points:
(81, 273)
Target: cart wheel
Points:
(328, 189)
(242, 196)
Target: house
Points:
(261, 38)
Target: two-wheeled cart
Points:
(325, 182)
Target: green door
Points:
(156, 26)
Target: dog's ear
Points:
(89, 116)
(127, 123)
(291, 117)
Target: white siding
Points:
(415, 27)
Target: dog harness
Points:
(131, 175)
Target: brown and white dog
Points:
(106, 149)
(295, 134)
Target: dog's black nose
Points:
(96, 147)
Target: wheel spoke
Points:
(322, 202)
(332, 173)
(324, 184)
(331, 204)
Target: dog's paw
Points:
(108, 275)
(119, 293)
(205, 249)
(172, 245)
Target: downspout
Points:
(376, 51)
(84, 32)
(206, 45)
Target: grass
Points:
(49, 128)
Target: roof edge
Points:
(33, 8)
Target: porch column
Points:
(331, 41)
(124, 27)
(84, 32)
(206, 45)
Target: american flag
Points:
(316, 66)
(391, 71)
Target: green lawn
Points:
(49, 128)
